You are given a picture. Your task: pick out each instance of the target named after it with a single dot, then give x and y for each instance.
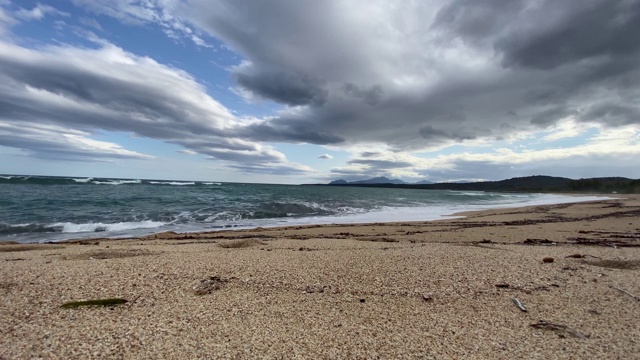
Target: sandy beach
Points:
(442, 289)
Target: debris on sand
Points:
(636, 298)
(208, 285)
(310, 289)
(244, 243)
(616, 264)
(559, 328)
(546, 242)
(98, 302)
(519, 304)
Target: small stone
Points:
(310, 289)
(207, 286)
(547, 260)
(362, 300)
(427, 297)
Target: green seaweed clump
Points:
(99, 302)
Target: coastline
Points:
(395, 290)
(385, 214)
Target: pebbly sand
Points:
(439, 290)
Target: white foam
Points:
(84, 180)
(117, 182)
(177, 183)
(429, 213)
(98, 227)
(211, 183)
(469, 193)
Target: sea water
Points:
(40, 208)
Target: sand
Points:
(432, 290)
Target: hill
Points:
(538, 183)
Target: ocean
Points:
(42, 208)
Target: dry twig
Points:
(626, 292)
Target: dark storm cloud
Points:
(613, 114)
(397, 75)
(371, 96)
(284, 87)
(548, 33)
(477, 21)
(297, 130)
(429, 133)
(570, 31)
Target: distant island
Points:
(538, 183)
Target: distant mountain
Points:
(536, 183)
(379, 180)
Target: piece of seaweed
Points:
(98, 302)
(559, 328)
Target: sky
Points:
(306, 91)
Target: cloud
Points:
(134, 12)
(38, 12)
(325, 156)
(91, 22)
(6, 21)
(114, 90)
(381, 164)
(607, 152)
(56, 143)
(401, 79)
(419, 75)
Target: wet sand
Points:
(440, 289)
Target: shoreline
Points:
(409, 214)
(390, 290)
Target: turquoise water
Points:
(37, 208)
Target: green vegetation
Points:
(99, 302)
(536, 183)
